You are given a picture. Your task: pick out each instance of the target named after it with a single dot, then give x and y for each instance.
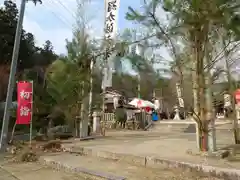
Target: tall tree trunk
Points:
(199, 41)
(196, 104)
(90, 92)
(210, 115)
(83, 121)
(179, 85)
(77, 120)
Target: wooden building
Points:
(112, 97)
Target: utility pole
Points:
(11, 81)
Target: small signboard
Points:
(227, 100)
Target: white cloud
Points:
(42, 31)
(56, 36)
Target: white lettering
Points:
(25, 95)
(24, 111)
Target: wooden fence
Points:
(141, 120)
(109, 117)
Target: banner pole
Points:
(31, 124)
(11, 80)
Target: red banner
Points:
(24, 98)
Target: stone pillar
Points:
(96, 122)
(83, 128)
(238, 112)
(197, 134)
(212, 136)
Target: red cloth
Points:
(24, 98)
(147, 109)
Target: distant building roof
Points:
(113, 92)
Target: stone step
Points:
(114, 170)
(187, 127)
(211, 168)
(176, 126)
(81, 164)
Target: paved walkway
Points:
(165, 145)
(190, 121)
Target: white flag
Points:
(107, 72)
(104, 80)
(110, 29)
(111, 18)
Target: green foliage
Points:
(168, 5)
(187, 19)
(134, 15)
(68, 77)
(64, 86)
(190, 14)
(36, 1)
(8, 22)
(64, 81)
(30, 55)
(194, 23)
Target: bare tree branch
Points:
(220, 55)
